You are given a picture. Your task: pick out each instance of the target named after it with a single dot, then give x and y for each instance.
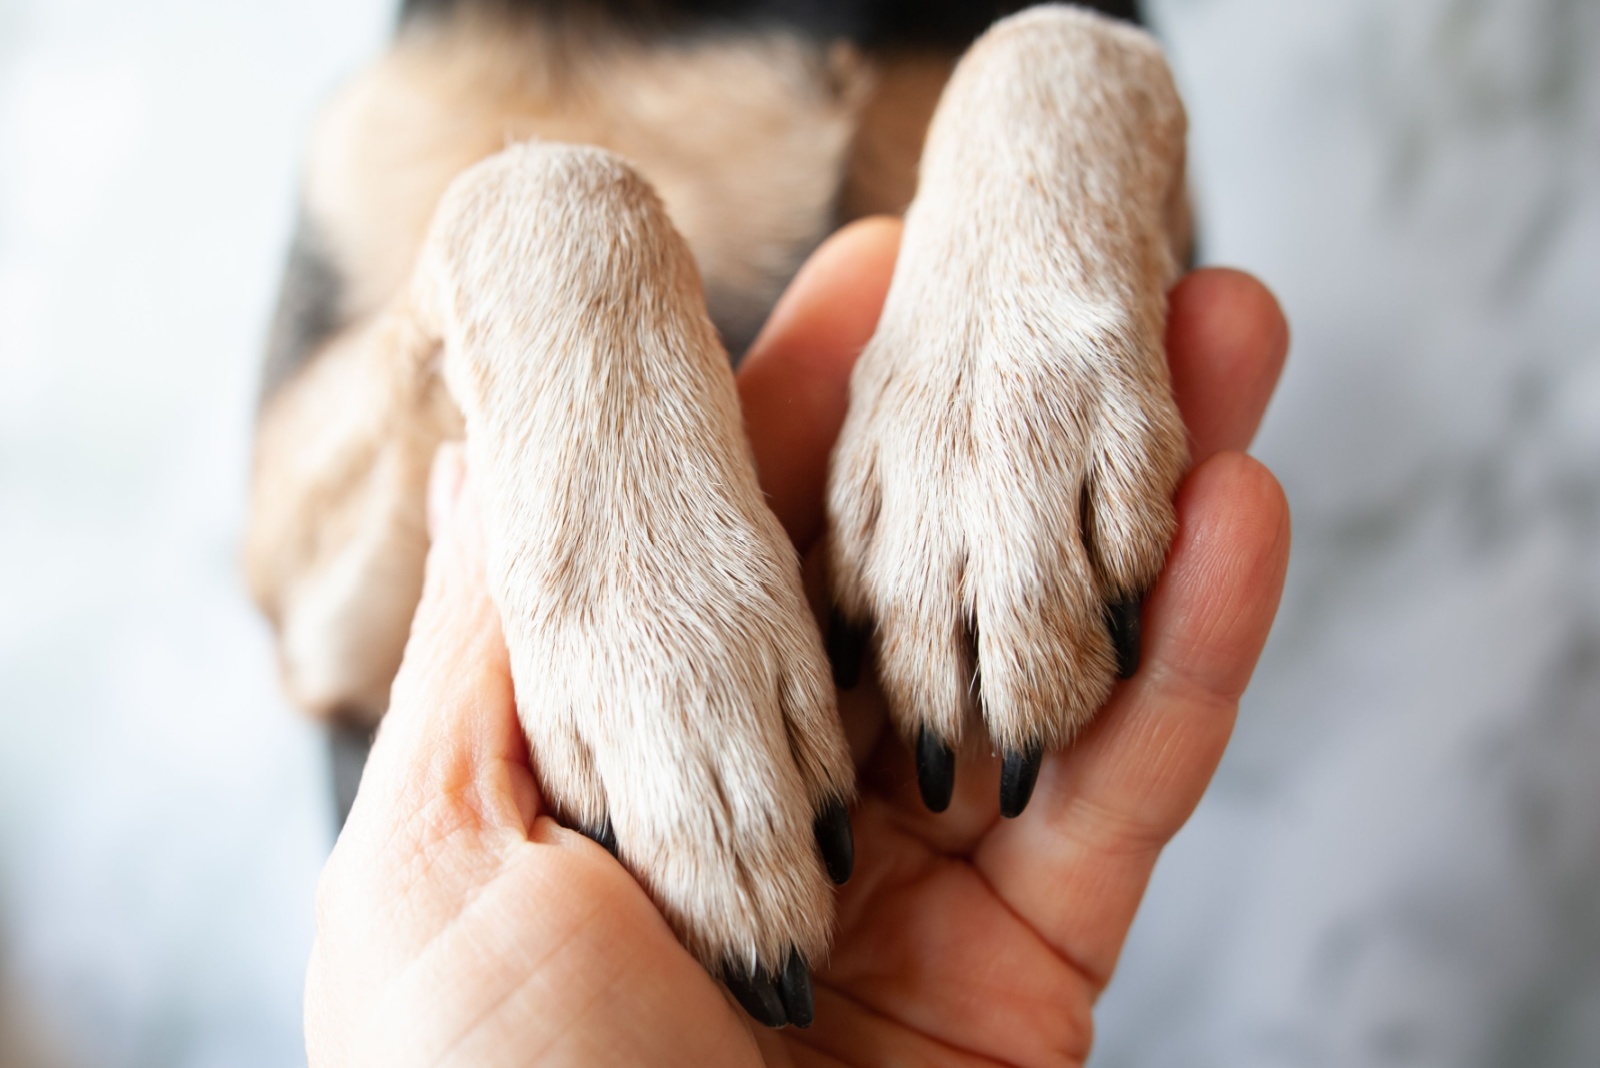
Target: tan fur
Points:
(667, 668)
(337, 535)
(742, 139)
(668, 674)
(881, 176)
(1016, 375)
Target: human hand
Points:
(457, 923)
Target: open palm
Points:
(457, 923)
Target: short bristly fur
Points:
(667, 669)
(1004, 475)
(1008, 463)
(743, 139)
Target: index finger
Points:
(1075, 865)
(1227, 341)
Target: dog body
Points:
(545, 225)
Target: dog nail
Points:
(606, 836)
(759, 995)
(795, 990)
(847, 644)
(936, 771)
(1123, 620)
(1018, 772)
(832, 827)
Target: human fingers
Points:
(1055, 889)
(450, 738)
(1226, 343)
(1075, 865)
(794, 384)
(445, 778)
(451, 920)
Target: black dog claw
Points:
(606, 836)
(794, 988)
(832, 827)
(1019, 770)
(760, 996)
(936, 771)
(1122, 619)
(846, 645)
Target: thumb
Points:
(451, 732)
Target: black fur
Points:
(876, 24)
(308, 310)
(348, 746)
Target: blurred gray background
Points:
(1399, 863)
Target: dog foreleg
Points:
(336, 541)
(668, 672)
(1002, 488)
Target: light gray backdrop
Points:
(1399, 863)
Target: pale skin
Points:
(458, 924)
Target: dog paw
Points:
(669, 675)
(1001, 494)
(689, 727)
(1000, 500)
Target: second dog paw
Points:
(999, 503)
(1001, 495)
(669, 675)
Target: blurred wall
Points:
(163, 814)
(1399, 862)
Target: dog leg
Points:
(337, 535)
(668, 672)
(743, 133)
(1001, 493)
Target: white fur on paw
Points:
(668, 672)
(1007, 468)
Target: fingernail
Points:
(846, 644)
(444, 485)
(758, 994)
(936, 771)
(1122, 619)
(1018, 772)
(832, 827)
(795, 991)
